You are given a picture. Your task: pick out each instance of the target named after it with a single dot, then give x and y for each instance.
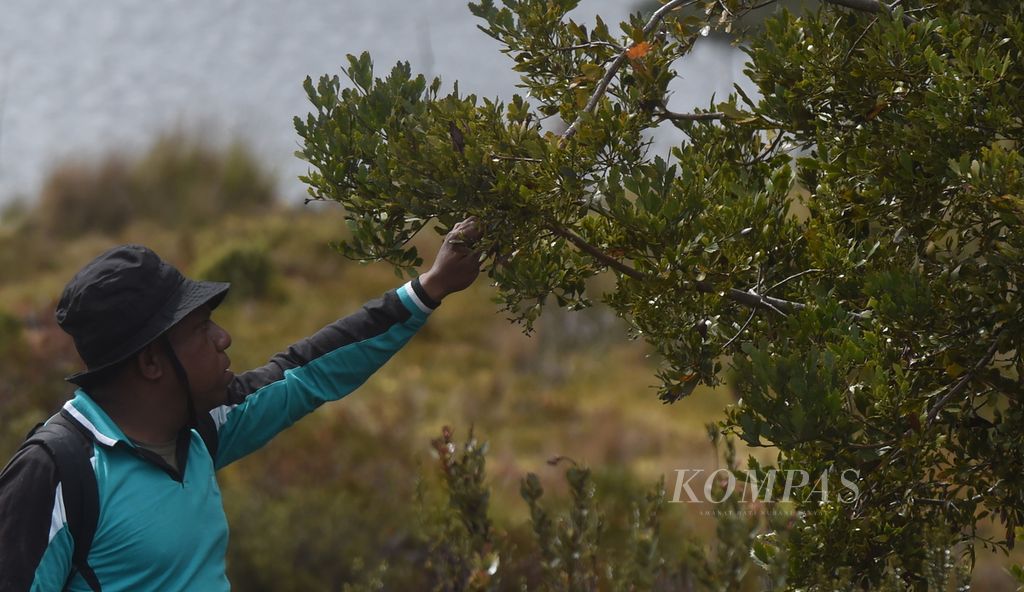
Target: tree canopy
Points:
(842, 248)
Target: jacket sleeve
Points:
(324, 367)
(35, 545)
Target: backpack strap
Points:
(208, 432)
(70, 446)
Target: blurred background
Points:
(77, 80)
(170, 123)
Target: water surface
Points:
(80, 79)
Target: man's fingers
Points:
(465, 233)
(473, 232)
(468, 227)
(460, 239)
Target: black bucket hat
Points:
(122, 301)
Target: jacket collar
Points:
(93, 418)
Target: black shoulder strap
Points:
(208, 431)
(70, 446)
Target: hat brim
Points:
(189, 296)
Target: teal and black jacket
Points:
(160, 529)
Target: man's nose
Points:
(222, 338)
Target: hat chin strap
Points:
(179, 370)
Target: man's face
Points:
(200, 344)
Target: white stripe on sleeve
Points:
(416, 298)
(58, 518)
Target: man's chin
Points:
(221, 397)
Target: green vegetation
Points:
(177, 182)
(246, 266)
(588, 548)
(843, 249)
(355, 497)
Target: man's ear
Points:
(150, 363)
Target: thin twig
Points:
(921, 8)
(931, 501)
(602, 86)
(793, 277)
(961, 385)
(753, 312)
(871, 6)
(870, 426)
(590, 45)
(673, 116)
(857, 41)
(771, 148)
(515, 158)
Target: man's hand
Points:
(457, 264)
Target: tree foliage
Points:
(843, 247)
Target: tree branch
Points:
(961, 385)
(753, 312)
(793, 277)
(591, 45)
(873, 6)
(748, 298)
(857, 41)
(751, 298)
(515, 158)
(580, 243)
(602, 86)
(673, 116)
(767, 151)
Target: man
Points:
(163, 412)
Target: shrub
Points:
(247, 266)
(575, 549)
(10, 332)
(178, 182)
(33, 365)
(78, 198)
(187, 183)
